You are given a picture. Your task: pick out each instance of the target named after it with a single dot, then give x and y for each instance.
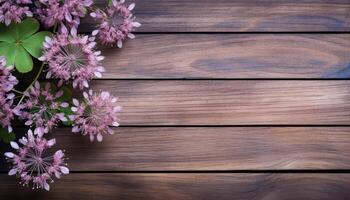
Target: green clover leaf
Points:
(19, 41)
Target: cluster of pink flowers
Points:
(72, 57)
(42, 108)
(74, 61)
(115, 23)
(68, 12)
(7, 82)
(95, 114)
(14, 10)
(33, 163)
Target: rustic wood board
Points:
(187, 186)
(231, 56)
(239, 15)
(211, 138)
(226, 148)
(230, 102)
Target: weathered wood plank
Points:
(246, 148)
(226, 102)
(231, 56)
(240, 15)
(187, 186)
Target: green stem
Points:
(32, 83)
(54, 28)
(17, 91)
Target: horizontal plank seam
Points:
(270, 171)
(217, 126)
(251, 125)
(214, 79)
(248, 125)
(237, 32)
(226, 79)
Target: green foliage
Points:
(66, 97)
(5, 136)
(19, 41)
(67, 112)
(34, 44)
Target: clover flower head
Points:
(14, 11)
(34, 163)
(115, 23)
(95, 114)
(7, 82)
(68, 12)
(42, 109)
(72, 57)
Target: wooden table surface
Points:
(224, 99)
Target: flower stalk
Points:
(31, 84)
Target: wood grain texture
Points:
(240, 15)
(231, 56)
(246, 148)
(219, 102)
(226, 102)
(187, 187)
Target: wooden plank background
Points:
(164, 56)
(231, 102)
(226, 148)
(94, 186)
(240, 15)
(265, 114)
